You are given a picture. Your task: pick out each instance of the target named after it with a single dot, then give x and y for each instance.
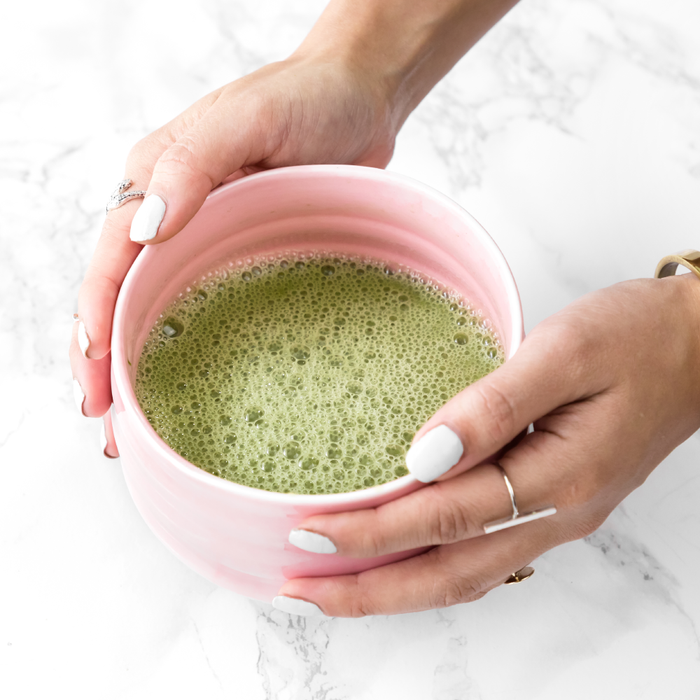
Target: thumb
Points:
(187, 172)
(487, 415)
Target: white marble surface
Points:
(572, 132)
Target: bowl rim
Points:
(119, 372)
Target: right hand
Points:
(300, 111)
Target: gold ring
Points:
(520, 575)
(516, 518)
(687, 258)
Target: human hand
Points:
(612, 386)
(303, 110)
(341, 98)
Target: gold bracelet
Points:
(688, 258)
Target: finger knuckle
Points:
(586, 525)
(574, 341)
(146, 150)
(455, 590)
(138, 150)
(361, 607)
(360, 603)
(500, 408)
(373, 542)
(449, 521)
(564, 336)
(579, 494)
(182, 156)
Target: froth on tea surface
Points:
(308, 374)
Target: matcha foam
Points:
(308, 374)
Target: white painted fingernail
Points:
(146, 221)
(78, 396)
(434, 454)
(103, 438)
(83, 340)
(311, 542)
(296, 606)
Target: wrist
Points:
(692, 284)
(403, 47)
(685, 291)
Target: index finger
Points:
(115, 251)
(113, 257)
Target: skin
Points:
(340, 98)
(612, 387)
(610, 382)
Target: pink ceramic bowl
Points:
(234, 535)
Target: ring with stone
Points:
(121, 196)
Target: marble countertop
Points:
(572, 132)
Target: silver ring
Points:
(511, 492)
(516, 518)
(120, 195)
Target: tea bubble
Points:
(334, 452)
(395, 450)
(292, 450)
(331, 364)
(172, 328)
(301, 352)
(308, 463)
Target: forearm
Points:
(407, 45)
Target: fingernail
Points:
(78, 396)
(296, 606)
(311, 542)
(103, 442)
(83, 340)
(146, 221)
(434, 454)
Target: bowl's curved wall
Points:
(237, 536)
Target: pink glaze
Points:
(234, 535)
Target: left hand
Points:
(612, 385)
(311, 108)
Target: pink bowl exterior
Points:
(233, 535)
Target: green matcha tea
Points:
(307, 375)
